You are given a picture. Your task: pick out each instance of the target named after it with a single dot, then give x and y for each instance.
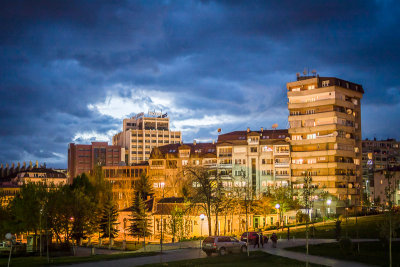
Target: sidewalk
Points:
(280, 251)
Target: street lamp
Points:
(9, 237)
(277, 207)
(328, 202)
(202, 216)
(162, 184)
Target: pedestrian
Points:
(274, 239)
(257, 241)
(262, 239)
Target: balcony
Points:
(225, 165)
(282, 152)
(225, 155)
(282, 164)
(282, 176)
(210, 165)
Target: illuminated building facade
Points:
(325, 133)
(141, 133)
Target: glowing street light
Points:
(202, 217)
(277, 206)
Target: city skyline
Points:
(70, 75)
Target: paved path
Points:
(172, 255)
(280, 251)
(187, 254)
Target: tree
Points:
(176, 226)
(140, 223)
(143, 186)
(27, 207)
(204, 191)
(109, 221)
(264, 206)
(283, 196)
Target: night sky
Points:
(70, 71)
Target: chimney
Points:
(37, 164)
(248, 129)
(194, 142)
(213, 142)
(262, 129)
(30, 164)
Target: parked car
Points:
(252, 237)
(223, 245)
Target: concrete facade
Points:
(325, 133)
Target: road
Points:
(187, 254)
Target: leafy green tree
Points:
(109, 221)
(143, 186)
(59, 212)
(140, 222)
(84, 223)
(176, 226)
(27, 207)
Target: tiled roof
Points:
(242, 135)
(200, 148)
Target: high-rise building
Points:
(141, 133)
(83, 158)
(378, 155)
(325, 133)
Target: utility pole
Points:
(306, 196)
(347, 203)
(109, 229)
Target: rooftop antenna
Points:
(314, 73)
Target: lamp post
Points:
(202, 216)
(9, 237)
(277, 207)
(328, 202)
(162, 223)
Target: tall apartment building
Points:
(83, 158)
(325, 133)
(263, 155)
(141, 133)
(378, 155)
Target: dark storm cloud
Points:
(216, 57)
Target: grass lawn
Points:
(367, 228)
(370, 252)
(257, 258)
(37, 261)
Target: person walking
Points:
(274, 239)
(257, 241)
(262, 239)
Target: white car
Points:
(223, 245)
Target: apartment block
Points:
(378, 155)
(166, 165)
(325, 133)
(143, 132)
(260, 158)
(83, 158)
(123, 180)
(381, 186)
(263, 156)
